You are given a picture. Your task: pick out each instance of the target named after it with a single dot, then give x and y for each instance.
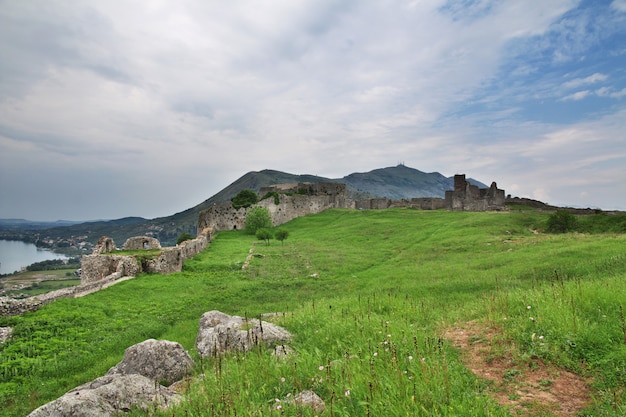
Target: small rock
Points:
(309, 399)
(5, 334)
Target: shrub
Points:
(245, 198)
(272, 194)
(281, 234)
(264, 234)
(258, 218)
(183, 237)
(561, 222)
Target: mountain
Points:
(29, 224)
(393, 182)
(402, 182)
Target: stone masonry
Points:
(295, 200)
(468, 197)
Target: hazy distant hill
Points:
(392, 182)
(402, 182)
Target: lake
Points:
(14, 255)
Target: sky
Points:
(113, 108)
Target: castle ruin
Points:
(468, 197)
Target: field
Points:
(376, 301)
(32, 283)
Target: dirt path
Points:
(529, 389)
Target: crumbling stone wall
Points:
(373, 204)
(307, 198)
(95, 267)
(141, 243)
(428, 203)
(468, 197)
(108, 266)
(423, 203)
(105, 245)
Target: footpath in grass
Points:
(369, 296)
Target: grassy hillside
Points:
(369, 328)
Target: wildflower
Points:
(277, 400)
(279, 407)
(410, 357)
(282, 379)
(347, 393)
(528, 307)
(375, 353)
(541, 337)
(321, 367)
(532, 319)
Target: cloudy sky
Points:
(115, 108)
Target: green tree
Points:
(264, 234)
(561, 222)
(245, 198)
(183, 237)
(257, 218)
(281, 234)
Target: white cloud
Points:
(579, 95)
(609, 92)
(577, 82)
(619, 5)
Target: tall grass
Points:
(368, 295)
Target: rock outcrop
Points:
(109, 395)
(137, 381)
(220, 333)
(160, 360)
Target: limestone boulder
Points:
(160, 360)
(108, 396)
(220, 333)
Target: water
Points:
(15, 255)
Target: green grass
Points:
(367, 295)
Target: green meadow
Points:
(369, 296)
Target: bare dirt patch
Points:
(528, 388)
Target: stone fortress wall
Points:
(294, 200)
(301, 199)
